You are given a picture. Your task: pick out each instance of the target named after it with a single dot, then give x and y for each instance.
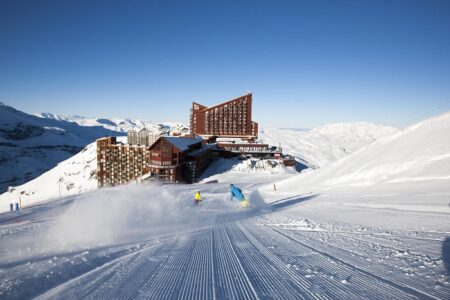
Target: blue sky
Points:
(307, 63)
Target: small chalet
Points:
(178, 159)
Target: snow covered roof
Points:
(183, 143)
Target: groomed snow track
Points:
(253, 257)
(244, 260)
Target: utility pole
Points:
(11, 204)
(59, 184)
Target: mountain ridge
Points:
(408, 161)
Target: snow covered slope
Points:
(408, 170)
(323, 145)
(72, 176)
(150, 241)
(30, 145)
(119, 124)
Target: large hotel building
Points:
(182, 158)
(229, 119)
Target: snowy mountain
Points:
(413, 164)
(70, 177)
(119, 124)
(30, 145)
(33, 144)
(323, 145)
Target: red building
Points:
(229, 119)
(178, 159)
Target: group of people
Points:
(236, 193)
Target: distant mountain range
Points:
(33, 144)
(411, 166)
(323, 145)
(118, 124)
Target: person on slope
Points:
(197, 198)
(238, 195)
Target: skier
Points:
(197, 198)
(238, 195)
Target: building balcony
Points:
(151, 165)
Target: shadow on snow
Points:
(36, 211)
(283, 203)
(446, 254)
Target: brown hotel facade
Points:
(231, 119)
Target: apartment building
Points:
(119, 163)
(168, 159)
(142, 137)
(228, 119)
